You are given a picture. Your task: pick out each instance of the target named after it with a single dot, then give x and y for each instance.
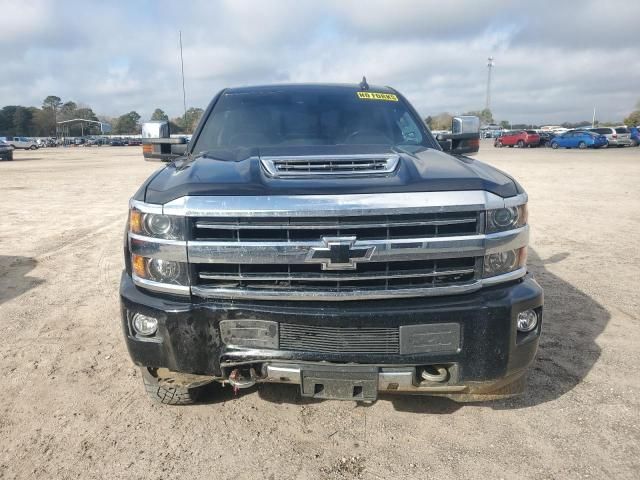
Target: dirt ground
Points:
(73, 405)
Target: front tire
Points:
(174, 395)
(33, 147)
(582, 145)
(554, 145)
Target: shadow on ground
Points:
(14, 279)
(567, 352)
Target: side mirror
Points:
(464, 138)
(157, 143)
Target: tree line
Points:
(18, 120)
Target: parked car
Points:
(545, 138)
(579, 139)
(22, 142)
(134, 142)
(520, 138)
(6, 151)
(616, 137)
(116, 143)
(635, 136)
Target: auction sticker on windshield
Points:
(389, 97)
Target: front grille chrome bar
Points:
(320, 226)
(332, 276)
(300, 294)
(385, 250)
(353, 205)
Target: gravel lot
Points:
(73, 404)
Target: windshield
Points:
(298, 117)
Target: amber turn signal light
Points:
(139, 266)
(135, 221)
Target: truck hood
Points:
(240, 172)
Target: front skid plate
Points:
(340, 383)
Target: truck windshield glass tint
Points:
(308, 118)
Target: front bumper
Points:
(492, 356)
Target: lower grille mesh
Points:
(321, 339)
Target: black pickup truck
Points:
(319, 235)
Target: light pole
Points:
(490, 65)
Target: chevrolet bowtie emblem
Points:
(339, 253)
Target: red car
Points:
(521, 138)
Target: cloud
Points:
(554, 61)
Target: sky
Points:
(554, 61)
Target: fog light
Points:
(144, 324)
(527, 320)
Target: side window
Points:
(409, 130)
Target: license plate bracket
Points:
(340, 383)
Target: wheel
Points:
(520, 143)
(554, 145)
(161, 393)
(498, 144)
(582, 145)
(33, 147)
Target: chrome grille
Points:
(332, 165)
(293, 229)
(269, 257)
(332, 247)
(376, 275)
(323, 339)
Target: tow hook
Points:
(239, 381)
(435, 373)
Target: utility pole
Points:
(184, 92)
(489, 68)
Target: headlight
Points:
(506, 218)
(156, 225)
(504, 262)
(161, 271)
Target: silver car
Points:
(616, 137)
(22, 142)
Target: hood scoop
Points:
(360, 165)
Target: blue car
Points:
(579, 139)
